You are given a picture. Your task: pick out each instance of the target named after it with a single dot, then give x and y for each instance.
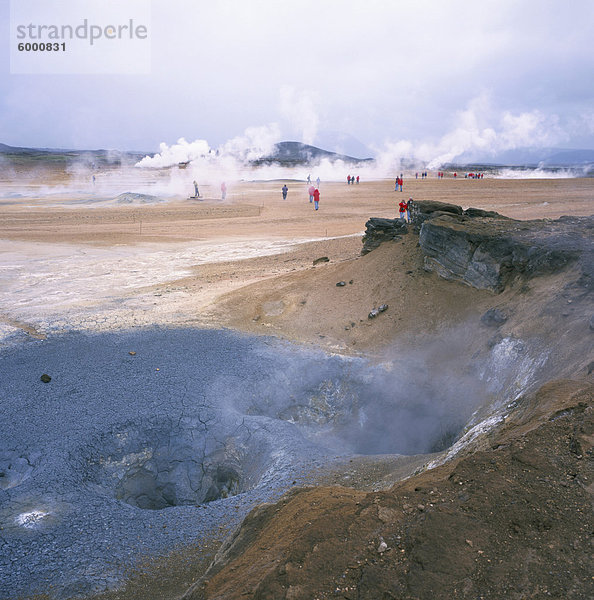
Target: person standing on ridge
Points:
(402, 209)
(409, 209)
(316, 196)
(285, 189)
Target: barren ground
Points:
(511, 520)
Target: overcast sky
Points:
(444, 75)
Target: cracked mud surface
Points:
(147, 441)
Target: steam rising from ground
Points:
(477, 131)
(417, 401)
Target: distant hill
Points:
(296, 153)
(58, 156)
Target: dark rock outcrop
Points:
(488, 252)
(379, 230)
(421, 211)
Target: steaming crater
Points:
(144, 452)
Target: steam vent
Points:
(454, 462)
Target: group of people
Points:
(314, 196)
(313, 191)
(423, 175)
(352, 179)
(399, 183)
(309, 180)
(474, 175)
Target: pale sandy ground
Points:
(244, 263)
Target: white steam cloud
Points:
(255, 142)
(479, 129)
(299, 108)
(182, 151)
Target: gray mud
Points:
(148, 440)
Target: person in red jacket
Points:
(402, 208)
(316, 196)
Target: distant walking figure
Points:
(285, 189)
(348, 179)
(402, 209)
(318, 182)
(223, 190)
(309, 179)
(196, 192)
(311, 191)
(316, 196)
(357, 179)
(409, 209)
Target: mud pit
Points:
(197, 427)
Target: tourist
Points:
(285, 189)
(196, 192)
(316, 196)
(318, 182)
(402, 208)
(223, 191)
(311, 191)
(357, 179)
(348, 180)
(409, 209)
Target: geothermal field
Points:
(246, 397)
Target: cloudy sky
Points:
(422, 76)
